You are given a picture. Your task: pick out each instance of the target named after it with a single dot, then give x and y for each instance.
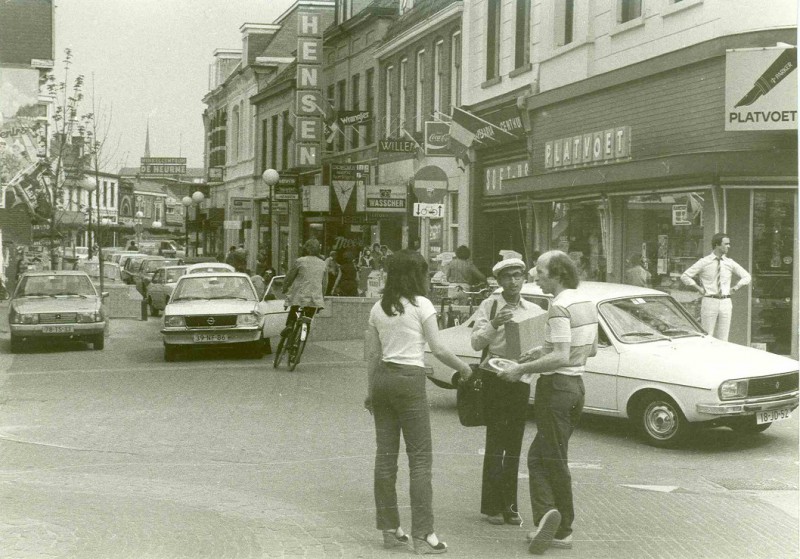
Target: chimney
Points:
(255, 39)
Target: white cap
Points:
(508, 263)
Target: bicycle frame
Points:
(294, 343)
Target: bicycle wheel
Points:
(280, 351)
(298, 346)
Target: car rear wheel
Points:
(153, 310)
(661, 421)
(748, 426)
(16, 344)
(98, 342)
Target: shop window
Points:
(663, 236)
(580, 229)
(773, 264)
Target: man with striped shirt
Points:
(570, 339)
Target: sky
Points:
(149, 60)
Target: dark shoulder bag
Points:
(469, 397)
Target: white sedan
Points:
(658, 368)
(219, 309)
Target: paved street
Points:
(119, 454)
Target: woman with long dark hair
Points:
(400, 325)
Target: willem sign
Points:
(308, 106)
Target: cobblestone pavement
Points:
(118, 454)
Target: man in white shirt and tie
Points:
(711, 276)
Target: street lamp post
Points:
(138, 227)
(187, 201)
(270, 178)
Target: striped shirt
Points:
(574, 320)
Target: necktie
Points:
(719, 276)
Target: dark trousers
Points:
(291, 317)
(506, 409)
(557, 408)
(400, 405)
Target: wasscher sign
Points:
(308, 107)
(761, 89)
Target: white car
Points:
(159, 290)
(219, 309)
(208, 268)
(658, 368)
(275, 308)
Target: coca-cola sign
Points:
(437, 139)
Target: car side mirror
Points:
(270, 297)
(104, 294)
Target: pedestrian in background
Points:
(462, 272)
(332, 269)
(711, 277)
(230, 258)
(400, 325)
(570, 338)
(635, 273)
(346, 282)
(506, 403)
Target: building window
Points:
(493, 39)
(455, 70)
(331, 100)
(235, 136)
(273, 148)
(355, 94)
(419, 89)
(401, 110)
(370, 75)
(341, 105)
(629, 9)
(565, 22)
(286, 133)
(387, 112)
(105, 194)
(522, 46)
(438, 74)
(265, 145)
(453, 205)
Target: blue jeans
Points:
(400, 405)
(557, 407)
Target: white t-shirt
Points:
(402, 336)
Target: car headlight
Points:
(733, 389)
(90, 316)
(24, 318)
(247, 320)
(174, 321)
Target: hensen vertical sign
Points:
(308, 107)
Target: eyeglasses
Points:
(516, 277)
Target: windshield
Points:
(55, 285)
(152, 265)
(646, 319)
(214, 287)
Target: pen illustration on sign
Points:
(784, 65)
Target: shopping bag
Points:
(469, 399)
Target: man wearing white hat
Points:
(506, 403)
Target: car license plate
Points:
(57, 329)
(773, 415)
(210, 338)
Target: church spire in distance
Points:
(147, 141)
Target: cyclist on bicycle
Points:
(462, 272)
(305, 284)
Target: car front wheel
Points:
(98, 342)
(170, 353)
(661, 421)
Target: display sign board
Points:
(344, 178)
(591, 148)
(397, 145)
(240, 207)
(437, 139)
(286, 188)
(494, 175)
(308, 105)
(386, 198)
(316, 198)
(428, 210)
(162, 165)
(761, 89)
(430, 184)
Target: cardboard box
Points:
(525, 331)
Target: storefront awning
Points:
(658, 173)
